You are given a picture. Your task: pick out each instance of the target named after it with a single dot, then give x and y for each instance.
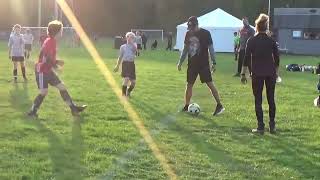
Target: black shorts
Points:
(128, 70)
(203, 72)
(44, 79)
(28, 47)
(139, 46)
(17, 58)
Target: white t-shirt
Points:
(28, 38)
(16, 44)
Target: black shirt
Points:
(263, 54)
(198, 45)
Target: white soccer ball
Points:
(194, 109)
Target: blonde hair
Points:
(16, 26)
(54, 27)
(262, 23)
(130, 34)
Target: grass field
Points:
(105, 144)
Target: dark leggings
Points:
(257, 87)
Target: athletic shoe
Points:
(78, 109)
(15, 80)
(258, 131)
(32, 114)
(184, 109)
(273, 130)
(219, 110)
(236, 75)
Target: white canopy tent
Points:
(221, 25)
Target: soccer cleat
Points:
(75, 110)
(32, 114)
(219, 110)
(258, 131)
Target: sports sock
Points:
(23, 69)
(124, 90)
(67, 98)
(37, 103)
(15, 74)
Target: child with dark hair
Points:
(46, 75)
(16, 51)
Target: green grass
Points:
(104, 143)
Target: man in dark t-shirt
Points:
(197, 45)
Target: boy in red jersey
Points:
(46, 75)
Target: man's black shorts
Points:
(28, 47)
(17, 58)
(128, 70)
(44, 79)
(203, 72)
(139, 46)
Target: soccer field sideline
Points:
(210, 141)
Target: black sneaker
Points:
(184, 109)
(272, 130)
(219, 110)
(32, 114)
(236, 75)
(258, 131)
(78, 109)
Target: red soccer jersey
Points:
(47, 58)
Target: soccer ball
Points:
(194, 109)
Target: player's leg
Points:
(15, 69)
(270, 86)
(206, 77)
(23, 69)
(192, 75)
(257, 87)
(43, 91)
(125, 84)
(131, 87)
(75, 110)
(240, 62)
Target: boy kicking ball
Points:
(126, 59)
(45, 73)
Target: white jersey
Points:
(16, 45)
(28, 38)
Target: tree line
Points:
(111, 17)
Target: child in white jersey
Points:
(16, 52)
(28, 39)
(126, 59)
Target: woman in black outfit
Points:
(262, 53)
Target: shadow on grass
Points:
(19, 97)
(296, 154)
(214, 153)
(65, 158)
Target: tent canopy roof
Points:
(218, 19)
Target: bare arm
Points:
(212, 54)
(183, 55)
(119, 60)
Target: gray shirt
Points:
(16, 45)
(128, 52)
(138, 39)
